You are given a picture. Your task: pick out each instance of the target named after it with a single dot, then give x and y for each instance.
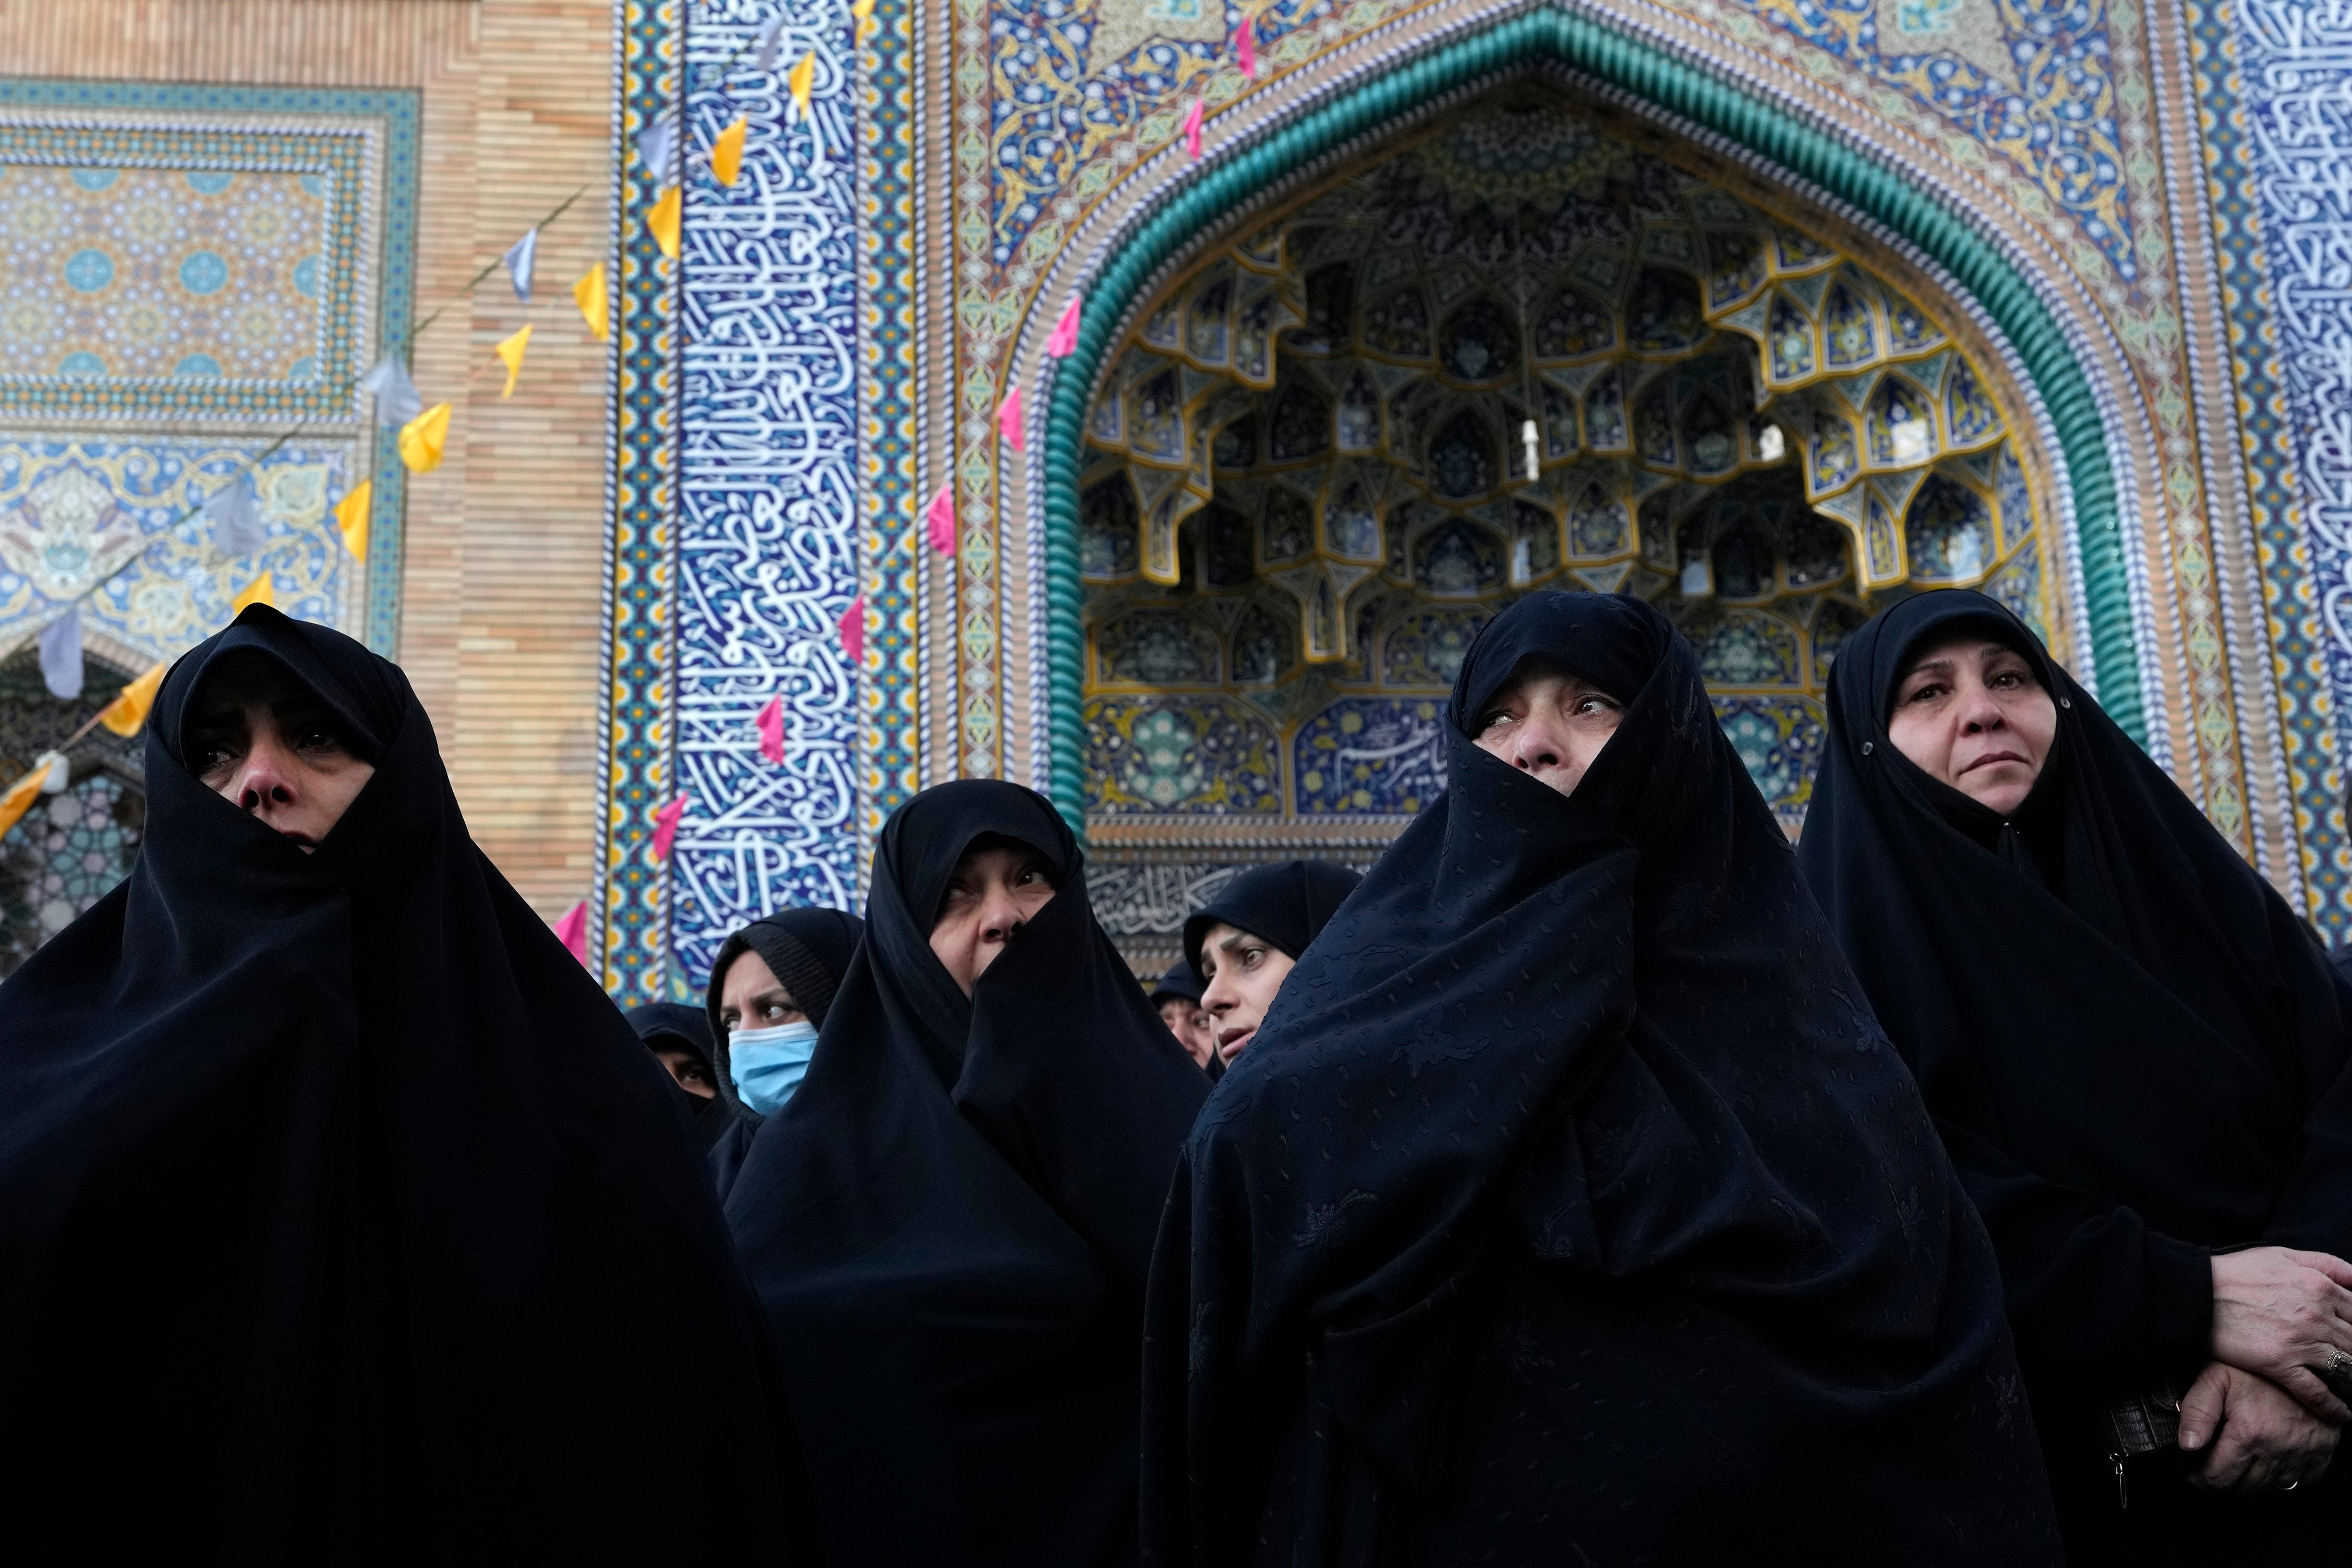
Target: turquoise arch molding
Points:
(1548, 36)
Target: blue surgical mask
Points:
(769, 1064)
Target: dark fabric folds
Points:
(1569, 1205)
(1286, 904)
(949, 1224)
(808, 951)
(335, 1201)
(2134, 1049)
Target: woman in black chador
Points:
(2136, 1054)
(770, 987)
(950, 1222)
(342, 1219)
(1570, 1207)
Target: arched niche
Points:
(1992, 298)
(1519, 346)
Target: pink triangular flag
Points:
(1192, 129)
(771, 729)
(1245, 48)
(853, 631)
(571, 931)
(666, 827)
(1065, 341)
(1008, 420)
(939, 518)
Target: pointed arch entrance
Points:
(1290, 481)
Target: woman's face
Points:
(1972, 713)
(261, 741)
(1244, 970)
(751, 997)
(992, 893)
(1548, 723)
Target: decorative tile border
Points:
(2272, 81)
(629, 930)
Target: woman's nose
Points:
(1000, 917)
(1535, 746)
(265, 777)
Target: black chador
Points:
(950, 1222)
(2134, 1049)
(342, 1219)
(1569, 1205)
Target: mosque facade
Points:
(1058, 396)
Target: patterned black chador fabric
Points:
(950, 1222)
(1571, 1207)
(342, 1217)
(2134, 1051)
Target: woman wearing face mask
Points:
(2137, 1056)
(949, 1225)
(335, 1199)
(770, 990)
(1569, 1207)
(1248, 938)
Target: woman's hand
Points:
(2267, 1440)
(2283, 1315)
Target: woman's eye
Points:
(1492, 720)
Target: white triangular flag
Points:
(658, 146)
(61, 654)
(396, 402)
(58, 771)
(771, 42)
(522, 257)
(236, 520)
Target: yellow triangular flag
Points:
(726, 153)
(422, 438)
(862, 12)
(352, 517)
(802, 80)
(510, 351)
(662, 222)
(21, 796)
(595, 308)
(261, 591)
(129, 709)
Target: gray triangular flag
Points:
(520, 259)
(656, 145)
(236, 520)
(61, 654)
(772, 39)
(396, 402)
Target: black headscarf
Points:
(1287, 904)
(950, 1222)
(1570, 1207)
(2134, 1051)
(1180, 983)
(335, 1199)
(808, 952)
(681, 1027)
